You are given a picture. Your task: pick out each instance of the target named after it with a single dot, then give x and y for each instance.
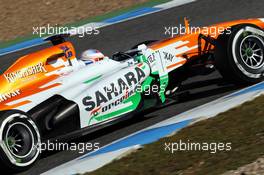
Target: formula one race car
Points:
(50, 95)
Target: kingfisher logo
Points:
(114, 90)
(26, 72)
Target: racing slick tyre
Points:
(239, 57)
(19, 141)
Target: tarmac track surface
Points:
(122, 36)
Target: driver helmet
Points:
(92, 55)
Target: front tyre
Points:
(19, 141)
(240, 56)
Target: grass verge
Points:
(243, 127)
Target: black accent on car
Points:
(229, 55)
(56, 116)
(57, 39)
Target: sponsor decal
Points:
(168, 56)
(151, 58)
(113, 90)
(23, 73)
(64, 48)
(96, 111)
(118, 101)
(9, 95)
(68, 53)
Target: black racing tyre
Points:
(239, 56)
(19, 141)
(144, 42)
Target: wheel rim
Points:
(251, 52)
(29, 154)
(19, 140)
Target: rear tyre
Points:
(19, 141)
(240, 56)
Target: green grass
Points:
(150, 3)
(242, 126)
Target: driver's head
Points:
(92, 54)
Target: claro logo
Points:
(113, 90)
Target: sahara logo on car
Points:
(23, 73)
(116, 88)
(95, 111)
(119, 100)
(9, 95)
